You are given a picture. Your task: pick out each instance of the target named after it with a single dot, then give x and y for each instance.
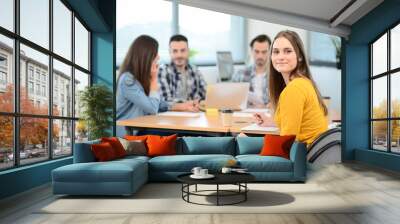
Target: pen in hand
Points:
(258, 118)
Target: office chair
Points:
(326, 149)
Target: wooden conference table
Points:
(201, 123)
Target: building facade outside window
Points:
(50, 135)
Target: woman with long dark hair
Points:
(137, 86)
(298, 108)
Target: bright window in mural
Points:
(223, 32)
(385, 95)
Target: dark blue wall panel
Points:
(356, 101)
(24, 178)
(380, 159)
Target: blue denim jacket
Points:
(133, 102)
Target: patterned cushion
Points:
(134, 147)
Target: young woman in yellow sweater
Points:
(295, 99)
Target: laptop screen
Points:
(227, 95)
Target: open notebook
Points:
(256, 127)
(179, 114)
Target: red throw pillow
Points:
(134, 137)
(103, 152)
(159, 145)
(275, 145)
(116, 145)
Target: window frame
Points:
(388, 74)
(16, 114)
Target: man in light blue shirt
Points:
(256, 74)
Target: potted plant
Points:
(96, 104)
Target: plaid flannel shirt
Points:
(168, 77)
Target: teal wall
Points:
(24, 178)
(356, 101)
(379, 159)
(102, 59)
(103, 50)
(103, 69)
(99, 16)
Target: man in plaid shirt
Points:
(181, 84)
(256, 74)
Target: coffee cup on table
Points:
(203, 172)
(226, 170)
(227, 115)
(196, 171)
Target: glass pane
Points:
(395, 47)
(6, 142)
(395, 138)
(6, 74)
(81, 45)
(62, 138)
(134, 19)
(33, 140)
(324, 47)
(35, 21)
(62, 29)
(395, 95)
(379, 55)
(7, 14)
(81, 131)
(34, 92)
(379, 135)
(379, 98)
(62, 89)
(222, 33)
(81, 81)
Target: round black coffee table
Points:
(238, 179)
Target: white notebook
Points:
(256, 127)
(242, 114)
(179, 114)
(256, 110)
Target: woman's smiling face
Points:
(283, 56)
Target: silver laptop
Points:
(227, 95)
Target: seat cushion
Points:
(257, 163)
(206, 145)
(249, 145)
(132, 160)
(185, 163)
(111, 171)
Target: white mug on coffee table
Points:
(203, 172)
(226, 170)
(196, 171)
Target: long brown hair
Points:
(276, 81)
(139, 59)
